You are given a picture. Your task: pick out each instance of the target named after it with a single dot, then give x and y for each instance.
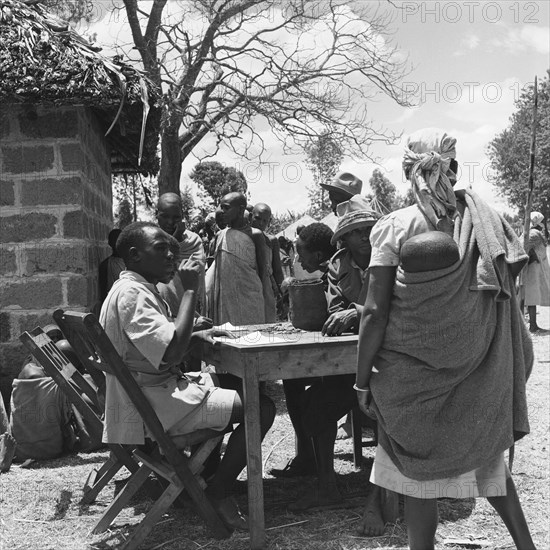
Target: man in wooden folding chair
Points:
(152, 344)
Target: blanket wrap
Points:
(449, 391)
(234, 291)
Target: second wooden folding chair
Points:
(74, 385)
(179, 471)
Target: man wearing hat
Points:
(344, 186)
(331, 397)
(348, 267)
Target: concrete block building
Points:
(57, 100)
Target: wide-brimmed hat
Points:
(354, 214)
(536, 218)
(345, 181)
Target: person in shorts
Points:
(152, 345)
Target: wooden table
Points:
(299, 355)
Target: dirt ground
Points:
(39, 506)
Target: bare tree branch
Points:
(305, 67)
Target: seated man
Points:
(41, 419)
(41, 416)
(315, 412)
(314, 249)
(152, 344)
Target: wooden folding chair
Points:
(73, 384)
(179, 471)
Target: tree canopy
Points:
(509, 152)
(234, 69)
(217, 180)
(385, 195)
(324, 157)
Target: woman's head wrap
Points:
(536, 218)
(426, 163)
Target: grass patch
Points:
(39, 506)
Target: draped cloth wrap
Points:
(426, 161)
(234, 290)
(449, 385)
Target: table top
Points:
(279, 335)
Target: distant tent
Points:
(331, 220)
(290, 231)
(377, 206)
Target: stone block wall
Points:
(55, 216)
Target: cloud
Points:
(467, 44)
(522, 39)
(408, 113)
(480, 103)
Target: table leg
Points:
(254, 454)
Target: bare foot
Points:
(372, 524)
(7, 450)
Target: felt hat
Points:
(345, 181)
(536, 218)
(354, 214)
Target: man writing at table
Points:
(152, 345)
(314, 411)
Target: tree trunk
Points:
(170, 163)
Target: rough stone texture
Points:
(29, 321)
(25, 159)
(32, 294)
(75, 224)
(87, 199)
(80, 291)
(8, 263)
(51, 191)
(26, 227)
(12, 357)
(5, 333)
(72, 157)
(52, 124)
(59, 212)
(5, 128)
(7, 195)
(55, 258)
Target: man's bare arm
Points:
(189, 273)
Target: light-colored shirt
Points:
(391, 231)
(189, 248)
(136, 320)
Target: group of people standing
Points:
(430, 289)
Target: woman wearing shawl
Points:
(535, 277)
(450, 349)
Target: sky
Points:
(469, 61)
